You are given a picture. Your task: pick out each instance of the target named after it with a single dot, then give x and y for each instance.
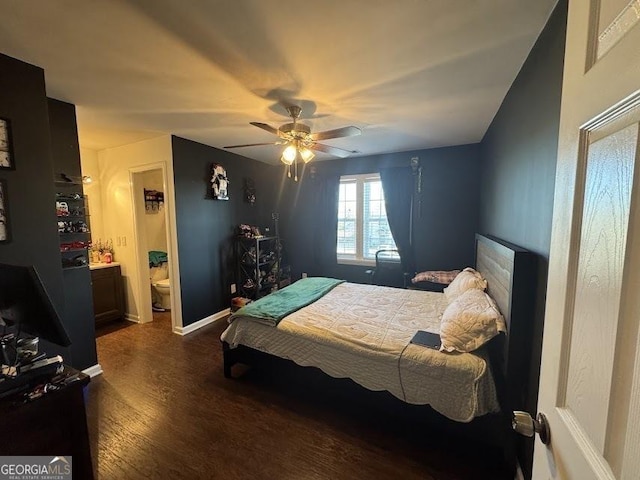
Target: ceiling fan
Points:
(300, 141)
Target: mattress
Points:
(363, 332)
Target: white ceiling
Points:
(412, 74)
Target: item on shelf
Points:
(249, 231)
(69, 196)
(62, 209)
(102, 248)
(77, 261)
(65, 247)
(249, 257)
(72, 227)
(153, 201)
(71, 209)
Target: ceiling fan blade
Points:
(254, 145)
(335, 151)
(266, 127)
(350, 131)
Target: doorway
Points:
(153, 245)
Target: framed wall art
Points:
(6, 151)
(4, 213)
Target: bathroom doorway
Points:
(153, 244)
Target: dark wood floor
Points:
(163, 410)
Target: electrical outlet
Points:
(304, 274)
(118, 241)
(233, 288)
(124, 241)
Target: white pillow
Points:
(465, 280)
(470, 321)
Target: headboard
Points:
(511, 277)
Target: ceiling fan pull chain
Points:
(289, 174)
(296, 167)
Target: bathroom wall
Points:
(114, 170)
(154, 221)
(89, 165)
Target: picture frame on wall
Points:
(6, 150)
(5, 233)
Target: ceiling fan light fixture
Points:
(299, 141)
(289, 154)
(306, 154)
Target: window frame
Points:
(358, 258)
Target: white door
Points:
(590, 377)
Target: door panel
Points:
(590, 372)
(607, 200)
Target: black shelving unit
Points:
(74, 229)
(258, 266)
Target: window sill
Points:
(357, 262)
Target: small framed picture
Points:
(6, 152)
(4, 213)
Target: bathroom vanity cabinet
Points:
(108, 292)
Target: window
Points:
(363, 228)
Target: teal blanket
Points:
(156, 258)
(277, 305)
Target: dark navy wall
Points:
(30, 190)
(518, 172)
(443, 233)
(205, 227)
(78, 296)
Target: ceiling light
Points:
(306, 154)
(289, 154)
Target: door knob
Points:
(526, 425)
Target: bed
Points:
(362, 332)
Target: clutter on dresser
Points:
(102, 251)
(26, 315)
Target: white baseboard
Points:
(519, 475)
(93, 371)
(201, 323)
(132, 318)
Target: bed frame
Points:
(511, 275)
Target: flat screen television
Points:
(26, 305)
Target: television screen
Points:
(25, 304)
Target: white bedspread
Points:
(361, 331)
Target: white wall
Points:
(117, 212)
(93, 191)
(154, 221)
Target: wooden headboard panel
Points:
(511, 276)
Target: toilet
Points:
(160, 284)
(164, 291)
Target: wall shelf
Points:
(257, 266)
(75, 203)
